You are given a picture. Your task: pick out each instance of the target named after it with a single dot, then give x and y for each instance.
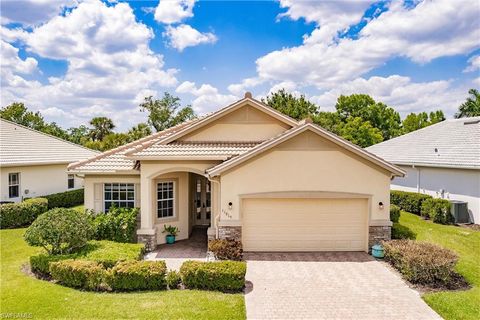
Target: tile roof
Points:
(22, 146)
(220, 149)
(450, 143)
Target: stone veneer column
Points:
(230, 232)
(377, 234)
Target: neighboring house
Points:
(34, 164)
(442, 160)
(250, 173)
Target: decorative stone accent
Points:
(378, 234)
(149, 240)
(230, 232)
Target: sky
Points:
(73, 60)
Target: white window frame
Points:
(71, 177)
(173, 199)
(111, 200)
(14, 185)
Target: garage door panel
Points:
(304, 224)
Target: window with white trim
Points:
(71, 181)
(121, 195)
(165, 199)
(14, 185)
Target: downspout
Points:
(216, 217)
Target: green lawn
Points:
(43, 300)
(466, 243)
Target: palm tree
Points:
(102, 126)
(471, 107)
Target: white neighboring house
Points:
(442, 160)
(34, 164)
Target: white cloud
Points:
(207, 98)
(105, 71)
(174, 11)
(32, 12)
(11, 61)
(399, 92)
(183, 36)
(427, 31)
(240, 88)
(474, 64)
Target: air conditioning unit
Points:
(459, 211)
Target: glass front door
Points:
(203, 206)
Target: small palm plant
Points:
(171, 232)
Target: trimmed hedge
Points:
(15, 215)
(421, 262)
(226, 249)
(65, 199)
(60, 231)
(82, 274)
(408, 201)
(438, 210)
(394, 213)
(225, 276)
(137, 275)
(118, 224)
(106, 253)
(173, 279)
(401, 232)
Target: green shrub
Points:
(226, 276)
(408, 201)
(78, 273)
(15, 215)
(118, 224)
(65, 199)
(226, 249)
(173, 279)
(106, 253)
(438, 210)
(137, 275)
(401, 232)
(421, 262)
(59, 231)
(394, 213)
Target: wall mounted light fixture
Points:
(380, 205)
(230, 205)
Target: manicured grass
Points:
(466, 243)
(44, 300)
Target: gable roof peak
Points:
(248, 95)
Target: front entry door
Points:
(203, 203)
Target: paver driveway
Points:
(350, 285)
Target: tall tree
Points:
(328, 120)
(471, 107)
(166, 112)
(139, 131)
(18, 113)
(296, 107)
(380, 116)
(102, 126)
(415, 121)
(78, 135)
(360, 132)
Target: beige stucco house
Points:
(34, 164)
(251, 173)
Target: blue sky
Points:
(73, 60)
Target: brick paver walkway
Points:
(349, 285)
(193, 248)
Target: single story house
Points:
(248, 172)
(442, 160)
(34, 164)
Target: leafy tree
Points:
(360, 132)
(18, 113)
(380, 116)
(296, 107)
(102, 126)
(114, 140)
(471, 107)
(78, 135)
(421, 120)
(139, 131)
(166, 112)
(330, 121)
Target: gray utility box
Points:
(460, 211)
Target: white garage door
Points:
(304, 224)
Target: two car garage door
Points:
(308, 224)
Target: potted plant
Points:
(171, 232)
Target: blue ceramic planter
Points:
(377, 251)
(170, 239)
